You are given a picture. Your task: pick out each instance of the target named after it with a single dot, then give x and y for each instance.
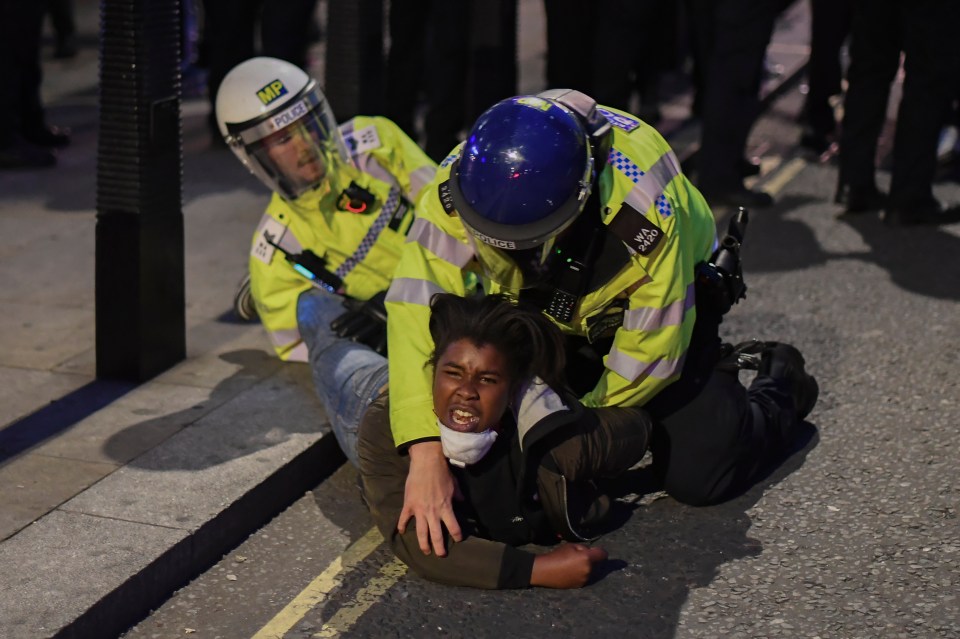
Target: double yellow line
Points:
(320, 588)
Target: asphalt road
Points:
(854, 536)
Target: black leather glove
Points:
(364, 322)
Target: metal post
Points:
(140, 324)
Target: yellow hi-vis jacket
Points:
(361, 248)
(641, 178)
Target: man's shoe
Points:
(47, 136)
(860, 199)
(930, 214)
(740, 197)
(784, 362)
(23, 155)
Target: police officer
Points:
(332, 231)
(582, 210)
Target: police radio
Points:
(568, 286)
(575, 255)
(310, 265)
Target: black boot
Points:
(784, 362)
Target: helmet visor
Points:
(295, 150)
(516, 269)
(294, 157)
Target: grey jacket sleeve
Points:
(473, 562)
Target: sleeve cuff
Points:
(516, 568)
(402, 448)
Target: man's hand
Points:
(364, 322)
(567, 566)
(428, 497)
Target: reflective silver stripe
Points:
(420, 178)
(440, 243)
(537, 401)
(283, 339)
(412, 291)
(299, 354)
(632, 369)
(648, 318)
(386, 212)
(367, 163)
(653, 182)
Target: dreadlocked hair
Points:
(531, 344)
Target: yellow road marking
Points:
(792, 168)
(346, 617)
(319, 588)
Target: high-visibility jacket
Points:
(362, 249)
(650, 302)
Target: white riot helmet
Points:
(274, 117)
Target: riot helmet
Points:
(277, 121)
(522, 178)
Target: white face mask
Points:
(463, 449)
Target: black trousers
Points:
(21, 24)
(231, 28)
(712, 435)
(714, 446)
(925, 31)
(830, 26)
(741, 30)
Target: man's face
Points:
(471, 388)
(296, 154)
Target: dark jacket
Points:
(546, 467)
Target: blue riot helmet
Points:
(522, 177)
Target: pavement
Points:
(116, 494)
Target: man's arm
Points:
(474, 562)
(648, 350)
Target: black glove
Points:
(364, 322)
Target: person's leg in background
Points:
(931, 67)
(829, 28)
(492, 62)
(743, 29)
(285, 34)
(446, 77)
(570, 34)
(64, 28)
(228, 37)
(25, 137)
(405, 62)
(875, 44)
(700, 24)
(615, 49)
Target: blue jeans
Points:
(348, 375)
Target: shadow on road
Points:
(261, 405)
(919, 259)
(662, 551)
